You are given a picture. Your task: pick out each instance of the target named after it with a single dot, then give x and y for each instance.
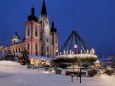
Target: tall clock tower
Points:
(44, 21)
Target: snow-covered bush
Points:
(92, 72)
(58, 70)
(109, 71)
(67, 73)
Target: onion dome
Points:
(32, 16)
(53, 29)
(16, 39)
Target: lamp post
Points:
(49, 66)
(79, 74)
(80, 71)
(0, 51)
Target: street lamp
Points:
(0, 51)
(49, 66)
(80, 71)
(79, 74)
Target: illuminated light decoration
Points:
(60, 53)
(93, 51)
(81, 52)
(75, 46)
(77, 55)
(97, 63)
(64, 52)
(32, 61)
(75, 49)
(85, 50)
(56, 50)
(70, 52)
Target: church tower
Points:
(33, 35)
(44, 21)
(54, 39)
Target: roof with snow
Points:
(108, 58)
(40, 57)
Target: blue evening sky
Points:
(93, 19)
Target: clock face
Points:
(47, 28)
(46, 24)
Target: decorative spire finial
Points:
(32, 10)
(43, 11)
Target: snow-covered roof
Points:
(77, 55)
(40, 57)
(108, 58)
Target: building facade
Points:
(40, 38)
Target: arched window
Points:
(36, 31)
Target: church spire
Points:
(43, 11)
(32, 10)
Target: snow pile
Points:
(8, 63)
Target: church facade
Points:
(40, 38)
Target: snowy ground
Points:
(14, 74)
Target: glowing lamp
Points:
(75, 46)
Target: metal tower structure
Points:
(75, 37)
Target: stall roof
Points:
(40, 57)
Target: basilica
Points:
(40, 38)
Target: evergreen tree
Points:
(25, 57)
